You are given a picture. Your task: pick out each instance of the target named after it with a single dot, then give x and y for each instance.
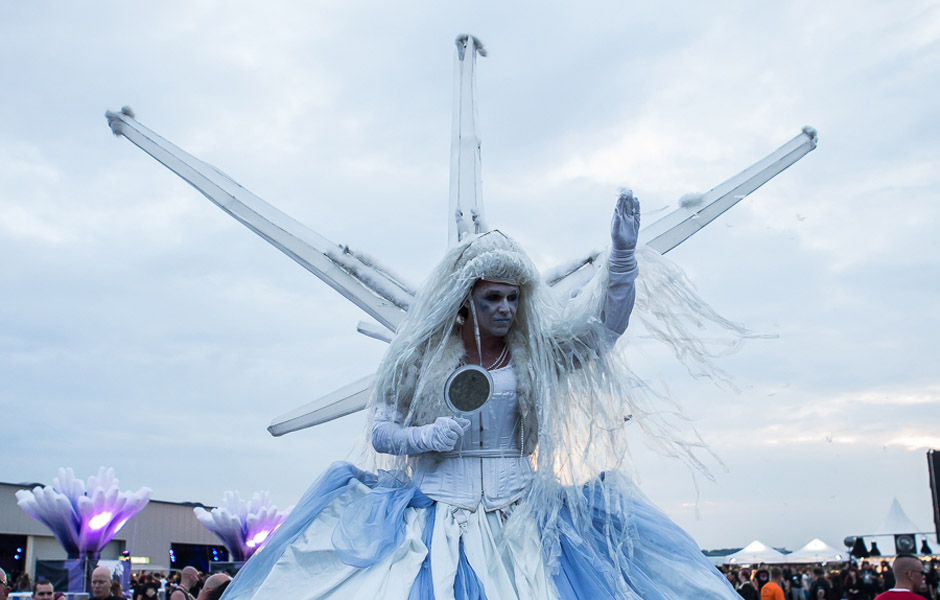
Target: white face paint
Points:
(496, 305)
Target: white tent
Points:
(897, 521)
(755, 552)
(817, 551)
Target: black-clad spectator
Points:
(745, 588)
(820, 588)
(795, 591)
(762, 576)
(868, 584)
(933, 579)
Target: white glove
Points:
(621, 266)
(440, 436)
(625, 224)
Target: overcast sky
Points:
(144, 329)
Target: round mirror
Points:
(468, 388)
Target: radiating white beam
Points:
(347, 400)
(663, 235)
(372, 290)
(466, 186)
(679, 225)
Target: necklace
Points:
(499, 359)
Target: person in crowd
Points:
(216, 594)
(101, 584)
(761, 576)
(4, 585)
(868, 584)
(23, 583)
(795, 590)
(189, 576)
(850, 585)
(43, 590)
(909, 578)
(744, 587)
(835, 583)
(887, 576)
(933, 579)
(212, 583)
(773, 589)
(148, 587)
(807, 582)
(820, 588)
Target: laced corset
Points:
(488, 466)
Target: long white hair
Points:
(576, 394)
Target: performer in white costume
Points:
(526, 498)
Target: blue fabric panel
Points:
(423, 587)
(373, 525)
(584, 573)
(466, 584)
(661, 561)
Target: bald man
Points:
(188, 579)
(908, 575)
(213, 583)
(5, 585)
(101, 584)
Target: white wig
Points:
(427, 347)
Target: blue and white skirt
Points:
(356, 535)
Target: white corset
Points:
(488, 465)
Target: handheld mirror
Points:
(468, 389)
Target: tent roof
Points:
(755, 552)
(817, 551)
(897, 521)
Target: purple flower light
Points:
(83, 518)
(257, 539)
(242, 526)
(100, 520)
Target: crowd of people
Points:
(845, 581)
(188, 584)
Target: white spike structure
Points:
(466, 183)
(695, 212)
(369, 288)
(375, 289)
(347, 400)
(243, 527)
(83, 518)
(663, 235)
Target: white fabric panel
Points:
(311, 570)
(507, 571)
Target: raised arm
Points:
(621, 265)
